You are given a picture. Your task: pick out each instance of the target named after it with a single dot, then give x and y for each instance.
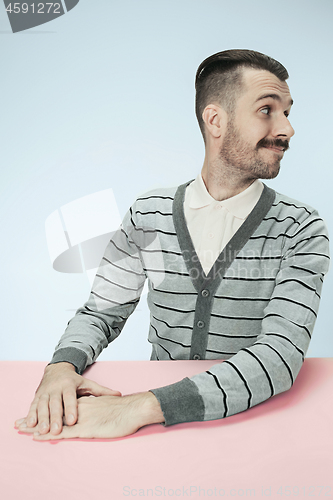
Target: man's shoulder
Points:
(284, 203)
(298, 213)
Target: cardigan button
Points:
(205, 293)
(200, 324)
(196, 356)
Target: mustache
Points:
(271, 143)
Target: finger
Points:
(43, 414)
(25, 429)
(19, 422)
(56, 413)
(31, 418)
(66, 433)
(91, 387)
(70, 406)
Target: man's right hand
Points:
(56, 399)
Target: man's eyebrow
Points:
(276, 97)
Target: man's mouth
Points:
(276, 149)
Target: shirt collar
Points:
(239, 205)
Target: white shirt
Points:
(213, 223)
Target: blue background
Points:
(104, 97)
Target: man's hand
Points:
(109, 417)
(56, 398)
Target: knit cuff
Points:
(180, 402)
(71, 355)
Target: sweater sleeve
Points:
(271, 365)
(114, 295)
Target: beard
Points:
(240, 157)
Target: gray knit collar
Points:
(230, 251)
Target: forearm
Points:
(229, 387)
(114, 296)
(89, 332)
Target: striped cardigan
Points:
(255, 309)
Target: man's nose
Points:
(283, 128)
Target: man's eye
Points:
(265, 111)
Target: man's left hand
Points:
(109, 417)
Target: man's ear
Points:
(215, 119)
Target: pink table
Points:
(279, 449)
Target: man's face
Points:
(259, 131)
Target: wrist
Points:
(147, 408)
(63, 365)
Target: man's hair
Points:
(219, 78)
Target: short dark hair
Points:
(219, 78)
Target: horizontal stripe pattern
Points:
(262, 313)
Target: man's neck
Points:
(223, 182)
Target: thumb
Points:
(89, 387)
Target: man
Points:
(234, 269)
